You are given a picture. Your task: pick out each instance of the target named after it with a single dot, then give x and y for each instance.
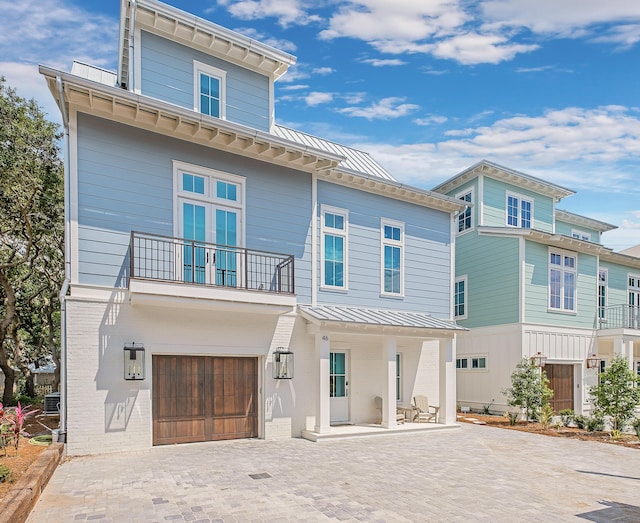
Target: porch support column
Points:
(624, 347)
(323, 412)
(447, 381)
(389, 381)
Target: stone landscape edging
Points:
(20, 500)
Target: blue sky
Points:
(428, 87)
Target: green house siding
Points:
(495, 205)
(536, 278)
(491, 266)
(567, 228)
(617, 284)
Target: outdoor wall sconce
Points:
(133, 362)
(539, 359)
(282, 364)
(593, 361)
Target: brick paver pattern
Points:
(473, 473)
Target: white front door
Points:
(339, 386)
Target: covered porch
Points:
(363, 356)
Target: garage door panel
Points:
(198, 398)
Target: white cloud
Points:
(565, 18)
(385, 109)
(380, 62)
(430, 120)
(288, 12)
(473, 48)
(316, 98)
(323, 71)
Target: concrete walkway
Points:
(475, 474)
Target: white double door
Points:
(201, 225)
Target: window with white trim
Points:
(334, 225)
(562, 281)
(460, 298)
(479, 362)
(472, 363)
(581, 235)
(603, 282)
(519, 211)
(209, 85)
(465, 220)
(392, 233)
(462, 363)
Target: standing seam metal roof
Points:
(380, 317)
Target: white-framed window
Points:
(209, 90)
(460, 298)
(465, 218)
(581, 235)
(209, 208)
(472, 363)
(392, 240)
(633, 299)
(519, 211)
(563, 274)
(334, 231)
(603, 282)
(398, 377)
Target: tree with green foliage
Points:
(529, 389)
(31, 232)
(617, 394)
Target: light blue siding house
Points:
(532, 278)
(228, 277)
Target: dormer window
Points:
(519, 211)
(209, 90)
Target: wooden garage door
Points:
(561, 382)
(199, 398)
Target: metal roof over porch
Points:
(336, 315)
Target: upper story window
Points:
(392, 257)
(334, 225)
(562, 281)
(209, 90)
(633, 290)
(464, 218)
(460, 298)
(519, 211)
(581, 235)
(603, 280)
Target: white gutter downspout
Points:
(62, 435)
(132, 31)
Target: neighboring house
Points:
(209, 243)
(531, 278)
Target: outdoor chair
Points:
(424, 411)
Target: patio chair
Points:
(424, 411)
(399, 412)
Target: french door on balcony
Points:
(202, 225)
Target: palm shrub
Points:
(529, 389)
(617, 394)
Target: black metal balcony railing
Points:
(167, 259)
(619, 317)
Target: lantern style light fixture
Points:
(282, 364)
(539, 359)
(133, 362)
(593, 361)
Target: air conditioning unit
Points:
(52, 403)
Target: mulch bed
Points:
(625, 440)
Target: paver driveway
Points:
(470, 474)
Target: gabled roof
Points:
(505, 174)
(198, 33)
(583, 221)
(334, 315)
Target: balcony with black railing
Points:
(619, 317)
(195, 264)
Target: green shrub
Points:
(513, 417)
(529, 389)
(580, 421)
(567, 416)
(5, 473)
(595, 423)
